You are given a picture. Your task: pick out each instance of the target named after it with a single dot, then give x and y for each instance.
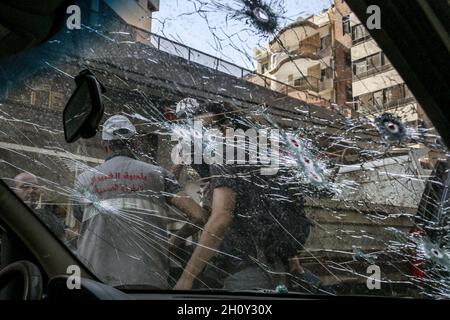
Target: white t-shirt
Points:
(124, 225)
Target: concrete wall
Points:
(395, 181)
(347, 237)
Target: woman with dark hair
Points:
(256, 224)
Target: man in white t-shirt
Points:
(124, 238)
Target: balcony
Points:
(361, 39)
(398, 103)
(306, 51)
(365, 108)
(302, 29)
(307, 83)
(209, 61)
(359, 34)
(372, 71)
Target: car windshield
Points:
(245, 145)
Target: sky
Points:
(216, 33)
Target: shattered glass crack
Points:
(347, 184)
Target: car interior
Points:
(36, 264)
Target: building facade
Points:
(376, 85)
(135, 13)
(312, 55)
(332, 57)
(342, 44)
(301, 56)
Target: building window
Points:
(325, 42)
(348, 92)
(378, 98)
(264, 67)
(346, 24)
(326, 73)
(290, 79)
(57, 100)
(347, 57)
(273, 59)
(359, 67)
(393, 94)
(307, 83)
(386, 98)
(40, 98)
(370, 65)
(366, 100)
(374, 61)
(359, 33)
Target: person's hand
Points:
(71, 234)
(295, 267)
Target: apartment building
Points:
(312, 56)
(377, 87)
(342, 44)
(332, 57)
(300, 55)
(136, 14)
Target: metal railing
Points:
(361, 39)
(398, 103)
(196, 56)
(373, 71)
(207, 60)
(220, 65)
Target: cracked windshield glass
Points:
(244, 145)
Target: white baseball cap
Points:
(118, 127)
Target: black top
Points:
(269, 222)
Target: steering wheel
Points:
(30, 275)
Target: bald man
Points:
(27, 189)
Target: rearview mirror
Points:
(84, 110)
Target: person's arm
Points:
(78, 203)
(194, 212)
(295, 266)
(223, 204)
